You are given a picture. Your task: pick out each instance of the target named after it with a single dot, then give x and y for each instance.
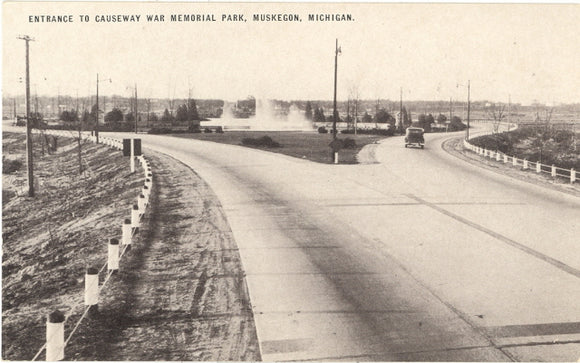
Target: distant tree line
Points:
(116, 119)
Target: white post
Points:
(497, 156)
(135, 216)
(336, 158)
(132, 156)
(572, 175)
(538, 167)
(525, 164)
(92, 289)
(126, 238)
(514, 161)
(113, 261)
(55, 336)
(141, 204)
(553, 170)
(146, 194)
(505, 158)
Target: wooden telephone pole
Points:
(30, 172)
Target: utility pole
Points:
(348, 113)
(35, 101)
(337, 51)
(30, 175)
(468, 105)
(401, 111)
(80, 135)
(509, 110)
(148, 111)
(136, 110)
(450, 109)
(356, 114)
(97, 113)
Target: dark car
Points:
(414, 136)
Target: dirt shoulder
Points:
(455, 147)
(180, 293)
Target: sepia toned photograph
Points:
(294, 181)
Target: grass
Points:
(303, 145)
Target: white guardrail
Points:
(55, 325)
(525, 164)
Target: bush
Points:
(456, 125)
(10, 166)
(264, 141)
(207, 131)
(219, 130)
(159, 130)
(349, 143)
(322, 130)
(382, 132)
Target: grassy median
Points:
(304, 145)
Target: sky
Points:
(522, 52)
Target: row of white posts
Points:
(525, 163)
(55, 342)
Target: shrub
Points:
(456, 125)
(159, 130)
(322, 130)
(11, 166)
(349, 143)
(219, 130)
(264, 141)
(207, 130)
(383, 132)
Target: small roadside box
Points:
(127, 147)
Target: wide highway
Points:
(419, 256)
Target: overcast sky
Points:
(526, 51)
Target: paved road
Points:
(418, 257)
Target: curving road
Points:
(418, 257)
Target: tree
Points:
(422, 119)
(497, 113)
(383, 117)
(308, 113)
(36, 120)
(86, 117)
(319, 115)
(181, 115)
(406, 118)
(69, 116)
(192, 114)
(129, 117)
(367, 118)
(114, 117)
(441, 118)
(167, 117)
(153, 117)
